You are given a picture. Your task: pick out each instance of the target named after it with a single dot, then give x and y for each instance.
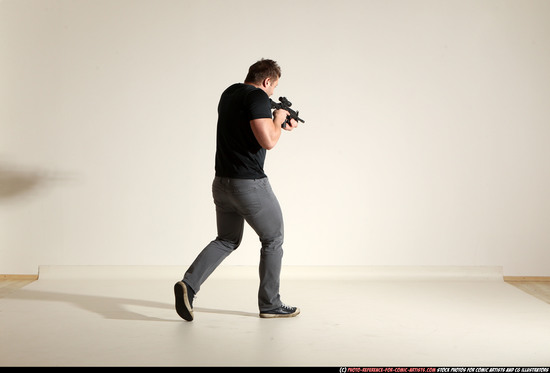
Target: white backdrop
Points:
(425, 142)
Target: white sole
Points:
(278, 315)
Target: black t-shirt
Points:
(238, 153)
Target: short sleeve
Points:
(258, 105)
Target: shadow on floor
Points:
(115, 308)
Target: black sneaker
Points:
(184, 300)
(283, 311)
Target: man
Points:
(241, 190)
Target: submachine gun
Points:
(285, 105)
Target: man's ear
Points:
(266, 82)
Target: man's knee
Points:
(228, 246)
(272, 244)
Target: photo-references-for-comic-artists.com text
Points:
(445, 370)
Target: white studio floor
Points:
(351, 316)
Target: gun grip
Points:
(287, 120)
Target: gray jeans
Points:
(237, 201)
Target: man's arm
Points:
(268, 131)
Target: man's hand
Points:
(280, 116)
(290, 126)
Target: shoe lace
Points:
(286, 307)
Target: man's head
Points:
(264, 74)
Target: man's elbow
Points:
(268, 145)
(268, 142)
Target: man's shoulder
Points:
(245, 89)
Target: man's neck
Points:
(253, 84)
